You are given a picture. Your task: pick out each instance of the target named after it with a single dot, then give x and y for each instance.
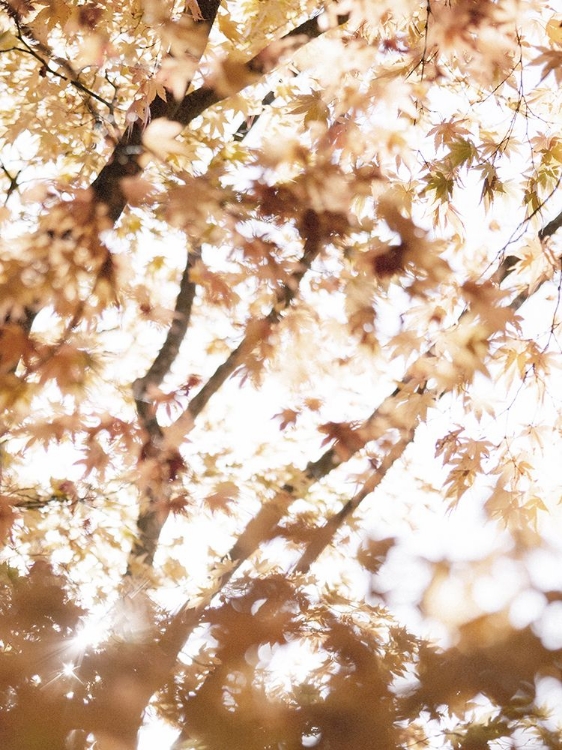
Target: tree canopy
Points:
(279, 325)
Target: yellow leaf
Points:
(554, 29)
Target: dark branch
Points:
(198, 101)
(551, 228)
(125, 159)
(284, 297)
(170, 348)
(125, 163)
(265, 524)
(149, 527)
(152, 513)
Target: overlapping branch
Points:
(265, 525)
(325, 535)
(125, 161)
(107, 190)
(151, 518)
(284, 296)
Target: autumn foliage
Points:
(279, 374)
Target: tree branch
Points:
(152, 514)
(550, 228)
(283, 298)
(324, 535)
(170, 348)
(264, 525)
(196, 102)
(125, 159)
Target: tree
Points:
(339, 214)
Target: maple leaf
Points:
(312, 106)
(347, 437)
(551, 62)
(179, 504)
(286, 417)
(222, 498)
(448, 132)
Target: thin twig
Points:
(25, 33)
